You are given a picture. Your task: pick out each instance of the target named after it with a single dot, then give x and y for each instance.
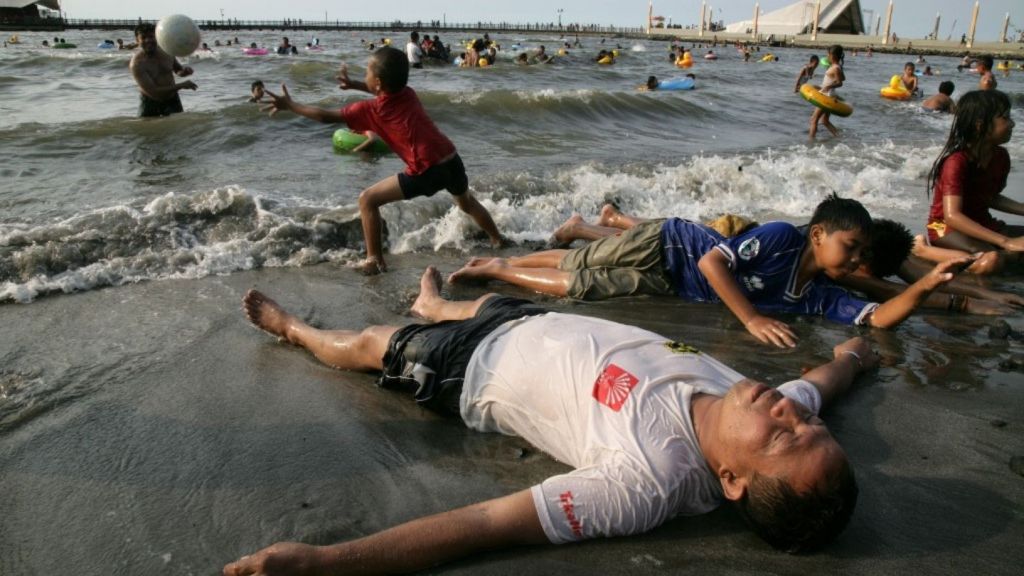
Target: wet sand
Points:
(149, 429)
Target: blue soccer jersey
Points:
(764, 261)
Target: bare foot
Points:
(500, 242)
(370, 267)
(478, 270)
(266, 314)
(609, 216)
(566, 233)
(430, 293)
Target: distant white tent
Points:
(837, 17)
(51, 4)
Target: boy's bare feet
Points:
(370, 267)
(477, 270)
(566, 233)
(609, 216)
(266, 314)
(430, 293)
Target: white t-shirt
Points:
(413, 51)
(611, 400)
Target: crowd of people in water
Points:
(645, 452)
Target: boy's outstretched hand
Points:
(772, 331)
(278, 103)
(344, 82)
(944, 272)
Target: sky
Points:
(911, 18)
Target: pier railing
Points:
(393, 25)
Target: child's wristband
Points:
(860, 364)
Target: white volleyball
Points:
(177, 35)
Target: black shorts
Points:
(431, 359)
(450, 176)
(149, 107)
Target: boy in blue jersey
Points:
(770, 268)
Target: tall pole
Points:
(650, 16)
(757, 13)
(935, 32)
(817, 14)
(974, 24)
(888, 23)
(703, 7)
(1006, 26)
(878, 23)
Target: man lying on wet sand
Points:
(654, 429)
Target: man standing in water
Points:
(154, 70)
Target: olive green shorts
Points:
(622, 265)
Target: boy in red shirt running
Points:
(398, 117)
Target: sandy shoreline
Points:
(172, 437)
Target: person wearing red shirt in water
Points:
(968, 179)
(398, 118)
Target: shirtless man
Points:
(984, 68)
(154, 70)
(942, 101)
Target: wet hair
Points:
(144, 29)
(985, 61)
(890, 245)
(835, 53)
(392, 67)
(794, 522)
(835, 213)
(910, 64)
(975, 113)
(256, 84)
(814, 58)
(946, 87)
(652, 82)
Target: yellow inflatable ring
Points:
(1002, 66)
(768, 58)
(685, 61)
(606, 60)
(895, 90)
(829, 104)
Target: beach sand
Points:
(149, 429)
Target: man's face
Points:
(768, 433)
(147, 40)
(837, 253)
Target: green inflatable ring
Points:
(64, 45)
(345, 140)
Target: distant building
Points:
(14, 12)
(836, 17)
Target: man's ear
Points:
(734, 487)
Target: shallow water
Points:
(92, 196)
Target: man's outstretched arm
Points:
(508, 521)
(850, 358)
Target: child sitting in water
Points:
(396, 114)
(984, 67)
(968, 178)
(256, 91)
(807, 72)
(909, 78)
(834, 78)
(652, 84)
(941, 101)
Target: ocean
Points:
(145, 429)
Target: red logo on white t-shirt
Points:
(570, 513)
(613, 386)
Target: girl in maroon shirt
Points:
(968, 179)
